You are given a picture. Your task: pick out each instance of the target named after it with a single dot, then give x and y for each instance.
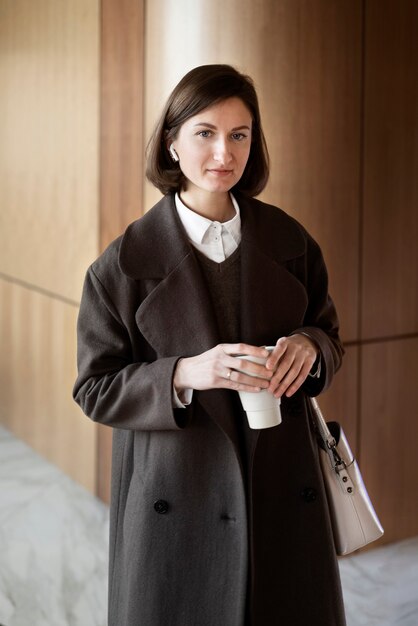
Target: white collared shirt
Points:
(216, 240)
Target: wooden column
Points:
(389, 293)
(121, 146)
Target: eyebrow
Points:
(212, 126)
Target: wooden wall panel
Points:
(49, 83)
(389, 434)
(389, 293)
(311, 96)
(121, 121)
(390, 260)
(121, 147)
(37, 371)
(306, 60)
(49, 141)
(340, 402)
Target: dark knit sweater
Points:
(223, 281)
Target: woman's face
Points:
(213, 146)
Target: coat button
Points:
(161, 506)
(309, 494)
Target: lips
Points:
(221, 172)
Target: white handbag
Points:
(354, 520)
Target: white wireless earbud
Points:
(174, 154)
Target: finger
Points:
(292, 380)
(287, 363)
(248, 367)
(230, 382)
(277, 353)
(293, 358)
(233, 386)
(244, 349)
(231, 375)
(284, 377)
(249, 381)
(297, 383)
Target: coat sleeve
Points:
(111, 387)
(321, 321)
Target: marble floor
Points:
(53, 554)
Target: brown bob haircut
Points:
(200, 88)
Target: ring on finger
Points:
(229, 375)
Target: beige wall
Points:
(49, 80)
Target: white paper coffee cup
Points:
(262, 408)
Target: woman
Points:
(212, 524)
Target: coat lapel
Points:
(177, 318)
(272, 298)
(175, 315)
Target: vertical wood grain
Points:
(49, 83)
(121, 116)
(121, 147)
(390, 268)
(310, 83)
(49, 61)
(389, 434)
(389, 292)
(340, 402)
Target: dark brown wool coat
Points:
(180, 532)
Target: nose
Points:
(221, 151)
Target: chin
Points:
(222, 187)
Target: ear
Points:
(174, 154)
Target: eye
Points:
(204, 133)
(238, 136)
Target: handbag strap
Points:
(329, 441)
(321, 425)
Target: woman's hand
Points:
(291, 361)
(218, 369)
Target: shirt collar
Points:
(196, 226)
